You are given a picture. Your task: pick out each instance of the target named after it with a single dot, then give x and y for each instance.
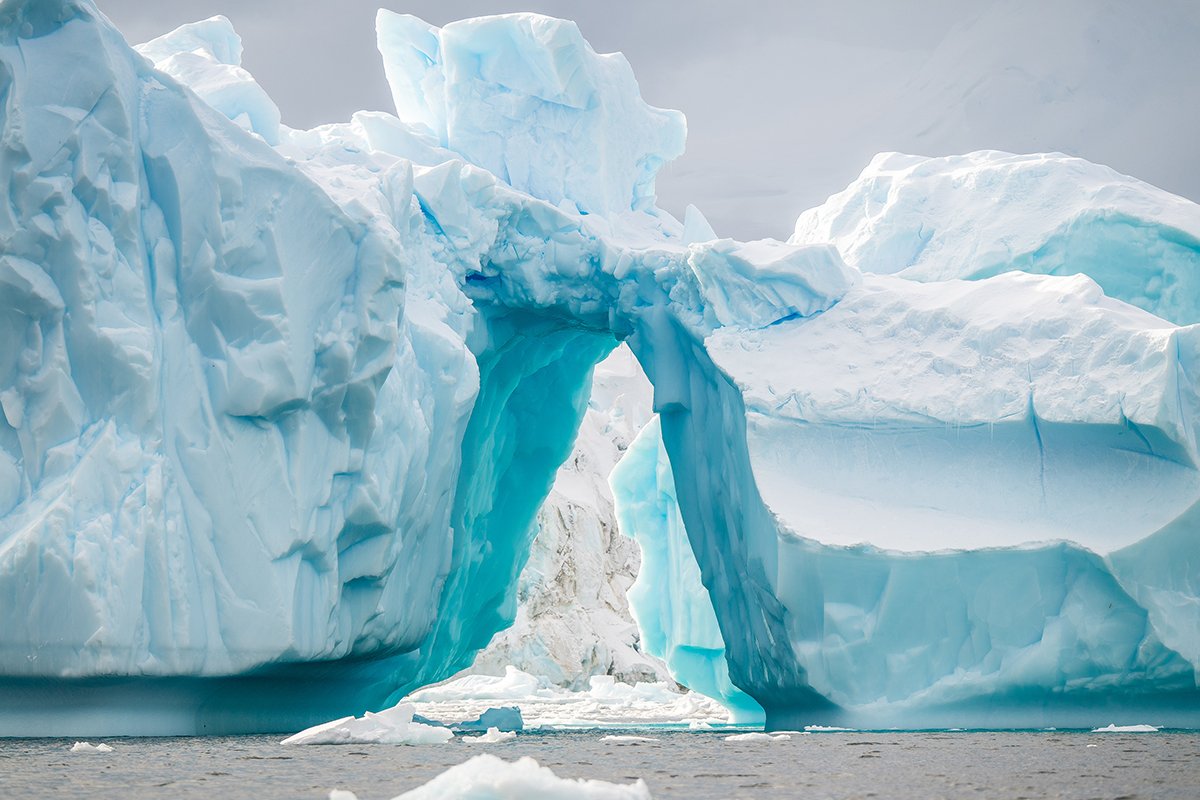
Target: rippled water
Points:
(681, 764)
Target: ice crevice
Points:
(280, 407)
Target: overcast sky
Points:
(787, 101)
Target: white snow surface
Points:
(391, 726)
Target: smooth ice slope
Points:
(973, 216)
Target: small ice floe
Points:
(342, 794)
(758, 737)
(493, 736)
(391, 726)
(824, 728)
(88, 747)
(496, 779)
(1093, 745)
(627, 739)
(1126, 729)
(699, 725)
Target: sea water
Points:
(676, 764)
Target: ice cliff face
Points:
(279, 418)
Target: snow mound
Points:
(88, 747)
(393, 726)
(487, 776)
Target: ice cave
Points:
(280, 407)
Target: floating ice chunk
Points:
(507, 718)
(392, 726)
(828, 728)
(206, 57)
(627, 739)
(753, 284)
(758, 737)
(342, 794)
(88, 747)
(699, 725)
(1111, 728)
(486, 776)
(976, 215)
(493, 736)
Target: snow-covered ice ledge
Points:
(280, 406)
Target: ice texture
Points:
(278, 419)
(207, 57)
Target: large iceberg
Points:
(280, 407)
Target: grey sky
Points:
(787, 101)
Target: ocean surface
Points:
(680, 764)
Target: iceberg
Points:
(280, 407)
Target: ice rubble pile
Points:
(278, 419)
(605, 703)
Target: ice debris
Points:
(88, 747)
(624, 739)
(607, 703)
(392, 726)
